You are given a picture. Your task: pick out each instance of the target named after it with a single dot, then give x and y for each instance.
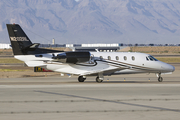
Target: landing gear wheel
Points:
(160, 79)
(81, 79)
(98, 80)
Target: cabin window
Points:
(125, 58)
(152, 58)
(133, 58)
(147, 58)
(109, 58)
(117, 58)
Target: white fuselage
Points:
(107, 63)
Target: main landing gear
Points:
(160, 79)
(99, 78)
(81, 78)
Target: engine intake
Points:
(72, 57)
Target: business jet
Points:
(83, 63)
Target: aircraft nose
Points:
(168, 67)
(171, 68)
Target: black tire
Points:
(98, 80)
(81, 79)
(160, 79)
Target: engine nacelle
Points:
(72, 57)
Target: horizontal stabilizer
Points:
(32, 46)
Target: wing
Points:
(105, 72)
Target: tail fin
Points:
(21, 44)
(19, 40)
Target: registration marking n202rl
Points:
(19, 39)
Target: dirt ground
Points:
(157, 49)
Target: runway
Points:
(118, 97)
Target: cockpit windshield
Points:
(151, 58)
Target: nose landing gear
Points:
(160, 79)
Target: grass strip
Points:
(169, 59)
(9, 60)
(12, 70)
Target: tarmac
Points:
(125, 97)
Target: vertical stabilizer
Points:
(19, 40)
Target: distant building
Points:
(5, 46)
(100, 49)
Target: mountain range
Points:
(93, 21)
